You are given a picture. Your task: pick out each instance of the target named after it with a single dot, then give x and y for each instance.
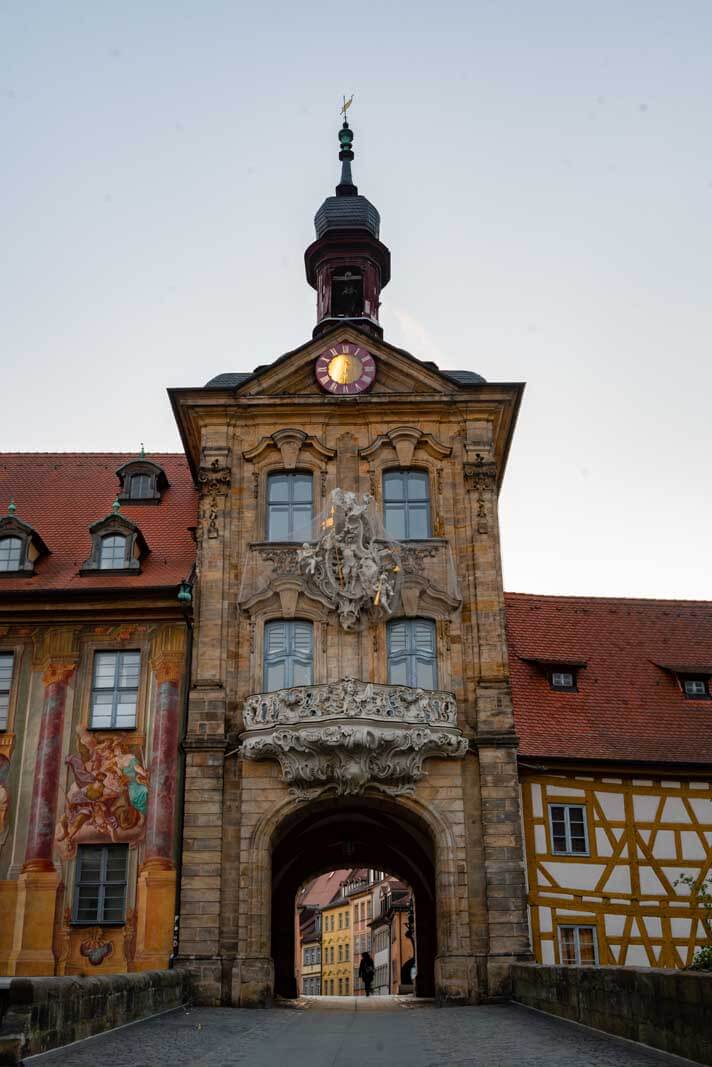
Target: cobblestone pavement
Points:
(341, 1032)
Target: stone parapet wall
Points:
(37, 1014)
(669, 1010)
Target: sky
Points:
(543, 172)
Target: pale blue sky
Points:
(544, 176)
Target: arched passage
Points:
(347, 832)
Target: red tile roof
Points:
(61, 494)
(627, 707)
(323, 889)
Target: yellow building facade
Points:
(336, 967)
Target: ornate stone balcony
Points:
(351, 735)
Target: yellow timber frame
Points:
(643, 833)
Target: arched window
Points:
(141, 486)
(406, 504)
(112, 554)
(287, 654)
(289, 506)
(411, 653)
(10, 553)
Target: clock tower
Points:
(347, 264)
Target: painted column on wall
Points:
(155, 898)
(56, 655)
(48, 766)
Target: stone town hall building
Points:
(289, 651)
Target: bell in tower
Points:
(347, 264)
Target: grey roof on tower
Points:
(229, 380)
(347, 213)
(233, 379)
(463, 377)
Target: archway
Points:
(347, 832)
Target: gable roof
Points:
(628, 705)
(62, 494)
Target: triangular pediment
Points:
(397, 371)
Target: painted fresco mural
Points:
(108, 799)
(4, 793)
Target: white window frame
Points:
(577, 927)
(117, 690)
(569, 851)
(5, 693)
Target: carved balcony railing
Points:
(349, 699)
(351, 735)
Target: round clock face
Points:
(345, 369)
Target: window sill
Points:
(111, 729)
(572, 855)
(89, 923)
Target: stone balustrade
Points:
(349, 699)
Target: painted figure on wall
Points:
(109, 796)
(4, 792)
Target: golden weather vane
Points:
(347, 104)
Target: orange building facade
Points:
(94, 641)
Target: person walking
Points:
(366, 971)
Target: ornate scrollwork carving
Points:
(356, 573)
(349, 759)
(214, 481)
(351, 735)
(481, 476)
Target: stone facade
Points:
(464, 810)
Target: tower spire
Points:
(347, 264)
(346, 186)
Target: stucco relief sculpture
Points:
(357, 570)
(351, 735)
(108, 799)
(348, 759)
(350, 699)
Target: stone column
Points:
(156, 890)
(201, 905)
(38, 882)
(507, 934)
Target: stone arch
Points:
(299, 839)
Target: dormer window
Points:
(141, 486)
(696, 687)
(20, 547)
(563, 679)
(142, 482)
(118, 545)
(112, 552)
(10, 553)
